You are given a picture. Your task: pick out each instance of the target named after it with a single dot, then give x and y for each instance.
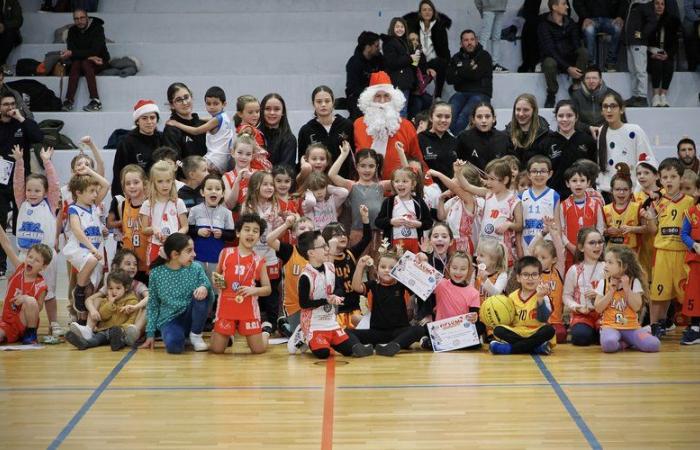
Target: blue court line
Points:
(90, 401)
(570, 408)
(355, 387)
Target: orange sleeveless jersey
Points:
(553, 278)
(132, 237)
(292, 271)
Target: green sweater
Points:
(170, 293)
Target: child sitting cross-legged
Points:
(109, 316)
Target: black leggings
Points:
(402, 336)
(344, 348)
(439, 65)
(583, 335)
(521, 344)
(270, 304)
(661, 72)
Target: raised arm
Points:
(54, 193)
(96, 155)
(333, 172)
(9, 250)
(18, 177)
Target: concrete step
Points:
(120, 94)
(664, 126)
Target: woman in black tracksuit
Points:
(482, 142)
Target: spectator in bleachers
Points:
(640, 24)
(662, 48)
(327, 128)
(19, 100)
(399, 61)
(366, 60)
(688, 154)
(280, 143)
(15, 129)
(587, 100)
(432, 27)
(471, 73)
(530, 12)
(382, 128)
(10, 23)
(560, 48)
(601, 16)
(138, 146)
(691, 32)
(181, 101)
(87, 54)
(492, 12)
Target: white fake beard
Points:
(382, 120)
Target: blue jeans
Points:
(177, 330)
(462, 104)
(602, 25)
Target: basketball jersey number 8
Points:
(136, 240)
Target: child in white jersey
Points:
(38, 199)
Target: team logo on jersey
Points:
(327, 308)
(489, 228)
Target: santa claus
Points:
(382, 128)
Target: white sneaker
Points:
(57, 330)
(664, 101)
(82, 330)
(198, 343)
(296, 343)
(131, 335)
(656, 101)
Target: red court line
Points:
(328, 405)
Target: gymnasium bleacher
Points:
(261, 46)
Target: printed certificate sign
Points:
(421, 278)
(5, 171)
(452, 333)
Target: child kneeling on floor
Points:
(109, 318)
(529, 332)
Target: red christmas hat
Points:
(380, 78)
(145, 106)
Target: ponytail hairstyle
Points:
(603, 136)
(241, 103)
(176, 242)
(371, 154)
(623, 174)
(461, 255)
(120, 255)
(417, 180)
(192, 163)
(41, 178)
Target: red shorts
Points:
(691, 303)
(13, 328)
(273, 271)
(327, 339)
(153, 250)
(245, 327)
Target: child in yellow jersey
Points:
(647, 172)
(546, 252)
(624, 221)
(619, 299)
(529, 332)
(670, 271)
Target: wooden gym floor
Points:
(59, 397)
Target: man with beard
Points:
(688, 155)
(382, 128)
(15, 129)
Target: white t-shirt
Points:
(218, 143)
(164, 217)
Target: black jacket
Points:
(357, 72)
(135, 148)
(588, 104)
(341, 130)
(480, 148)
(383, 220)
(471, 72)
(589, 9)
(23, 134)
(398, 62)
(438, 152)
(521, 152)
(438, 34)
(89, 41)
(558, 41)
(670, 26)
(184, 143)
(563, 152)
(281, 146)
(640, 22)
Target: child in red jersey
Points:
(25, 295)
(237, 275)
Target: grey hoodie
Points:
(588, 104)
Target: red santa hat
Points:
(648, 160)
(145, 106)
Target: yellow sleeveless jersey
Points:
(629, 216)
(670, 220)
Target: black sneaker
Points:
(267, 328)
(690, 337)
(657, 330)
(497, 68)
(389, 349)
(116, 338)
(360, 351)
(77, 340)
(283, 327)
(425, 343)
(67, 106)
(551, 99)
(611, 67)
(93, 106)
